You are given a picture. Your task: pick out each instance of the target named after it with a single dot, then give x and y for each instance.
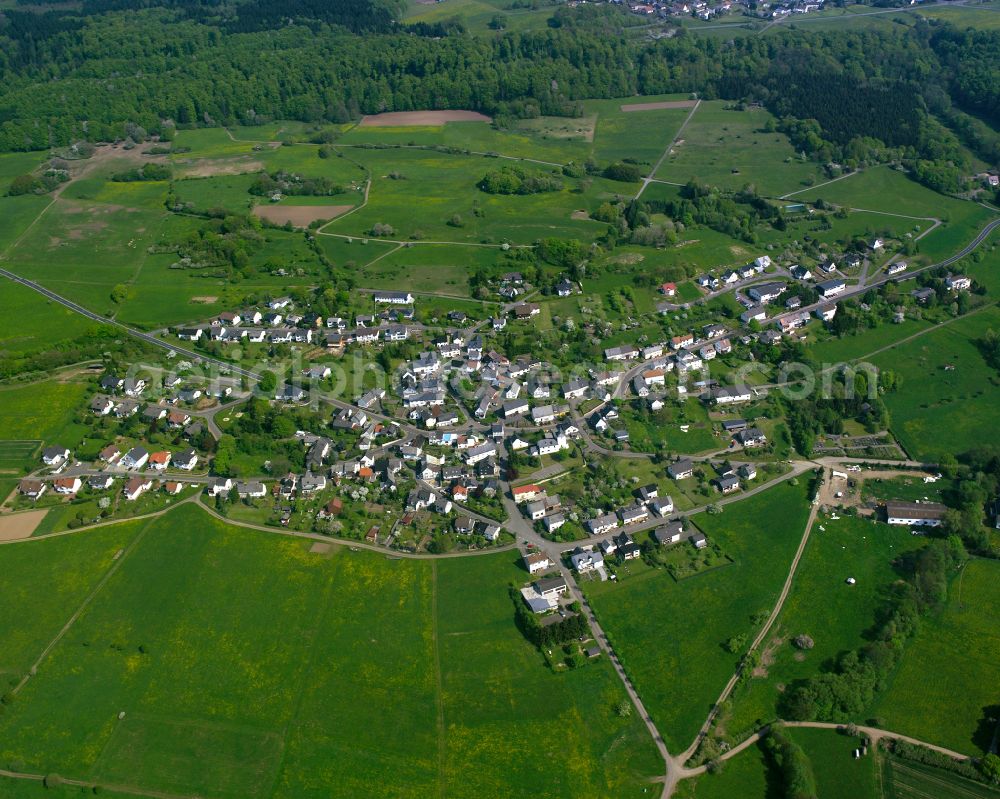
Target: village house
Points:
(626, 352)
(957, 283)
(31, 488)
(826, 313)
(635, 514)
(586, 560)
(55, 456)
(100, 482)
(159, 461)
(661, 506)
(251, 489)
(681, 469)
(66, 485)
(135, 458)
(602, 524)
(751, 437)
(135, 487)
(731, 395)
(102, 405)
(219, 486)
(757, 313)
(831, 288)
(727, 484)
(525, 493)
(766, 292)
(669, 533)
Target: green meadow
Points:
(823, 606)
(890, 191)
(951, 709)
(671, 635)
(223, 662)
(750, 776)
(949, 394)
(32, 323)
(42, 411)
(730, 148)
(13, 165)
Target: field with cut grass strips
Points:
(951, 709)
(907, 780)
(671, 635)
(247, 665)
(823, 606)
(949, 395)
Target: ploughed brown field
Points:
(299, 215)
(405, 118)
(658, 106)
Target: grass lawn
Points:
(730, 149)
(849, 348)
(750, 776)
(429, 268)
(638, 135)
(334, 674)
(45, 582)
(961, 647)
(32, 323)
(661, 431)
(941, 410)
(430, 189)
(838, 774)
(13, 165)
(41, 411)
(477, 15)
(670, 635)
(16, 214)
(745, 776)
(821, 605)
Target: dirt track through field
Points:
(407, 118)
(16, 526)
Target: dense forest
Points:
(110, 66)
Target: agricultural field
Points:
(906, 780)
(949, 394)
(32, 323)
(41, 411)
(257, 698)
(478, 15)
(730, 148)
(951, 709)
(46, 581)
(658, 645)
(823, 606)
